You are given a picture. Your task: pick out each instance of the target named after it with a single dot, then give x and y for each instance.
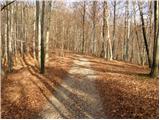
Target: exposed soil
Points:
(77, 96)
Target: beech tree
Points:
(41, 40)
(155, 64)
(42, 52)
(48, 29)
(114, 27)
(9, 38)
(93, 15)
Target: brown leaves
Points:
(125, 90)
(25, 91)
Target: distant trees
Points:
(139, 57)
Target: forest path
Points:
(77, 96)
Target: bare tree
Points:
(48, 29)
(103, 51)
(94, 11)
(83, 24)
(114, 26)
(9, 38)
(42, 66)
(144, 33)
(106, 42)
(37, 30)
(154, 68)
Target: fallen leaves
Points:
(125, 89)
(25, 91)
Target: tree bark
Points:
(108, 32)
(42, 52)
(48, 33)
(103, 51)
(154, 69)
(144, 34)
(94, 7)
(114, 27)
(37, 31)
(83, 23)
(9, 38)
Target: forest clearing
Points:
(79, 59)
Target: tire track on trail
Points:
(77, 96)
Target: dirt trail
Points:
(77, 97)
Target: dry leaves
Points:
(25, 91)
(125, 89)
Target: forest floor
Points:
(79, 86)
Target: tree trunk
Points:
(34, 44)
(42, 52)
(9, 38)
(37, 31)
(114, 27)
(154, 69)
(94, 7)
(47, 34)
(144, 34)
(103, 52)
(108, 32)
(24, 30)
(83, 23)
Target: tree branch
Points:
(7, 5)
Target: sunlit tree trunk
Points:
(34, 44)
(47, 31)
(126, 31)
(16, 28)
(108, 32)
(39, 31)
(6, 39)
(9, 38)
